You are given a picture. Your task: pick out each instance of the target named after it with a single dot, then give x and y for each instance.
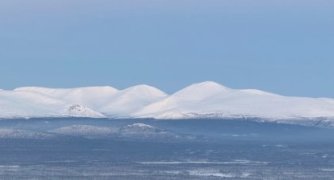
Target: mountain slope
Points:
(210, 99)
(132, 99)
(92, 97)
(105, 100)
(28, 104)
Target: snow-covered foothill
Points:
(78, 110)
(141, 130)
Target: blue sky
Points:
(281, 46)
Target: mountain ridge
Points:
(200, 100)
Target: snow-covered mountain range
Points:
(202, 100)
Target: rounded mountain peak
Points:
(206, 88)
(208, 84)
(145, 89)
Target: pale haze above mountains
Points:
(201, 100)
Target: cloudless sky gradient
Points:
(282, 46)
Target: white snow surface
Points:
(202, 100)
(210, 99)
(130, 100)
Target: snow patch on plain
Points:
(84, 130)
(140, 130)
(22, 134)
